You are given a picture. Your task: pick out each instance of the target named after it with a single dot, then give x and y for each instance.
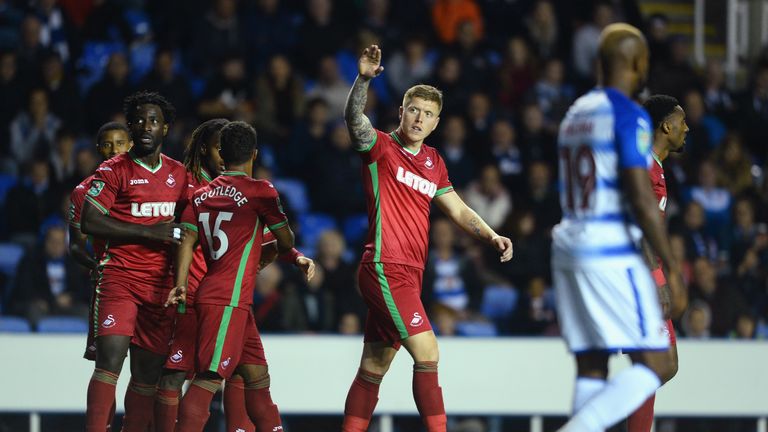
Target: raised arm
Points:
(643, 203)
(360, 129)
(462, 215)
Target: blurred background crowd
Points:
(509, 69)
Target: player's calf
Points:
(167, 400)
(195, 406)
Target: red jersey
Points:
(198, 267)
(656, 172)
(129, 191)
(399, 187)
(230, 215)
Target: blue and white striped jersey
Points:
(603, 133)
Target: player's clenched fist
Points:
(177, 295)
(369, 66)
(166, 232)
(504, 246)
(307, 266)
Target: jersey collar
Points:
(153, 170)
(204, 174)
(233, 173)
(397, 138)
(656, 158)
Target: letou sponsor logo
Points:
(415, 182)
(153, 209)
(109, 322)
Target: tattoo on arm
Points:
(474, 225)
(360, 129)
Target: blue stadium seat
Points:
(10, 255)
(295, 193)
(6, 183)
(311, 225)
(499, 302)
(62, 324)
(476, 329)
(12, 324)
(355, 227)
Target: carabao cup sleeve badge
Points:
(96, 187)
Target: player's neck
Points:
(246, 168)
(150, 159)
(413, 147)
(660, 153)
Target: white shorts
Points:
(610, 306)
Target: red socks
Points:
(361, 401)
(101, 400)
(195, 406)
(234, 406)
(429, 396)
(642, 419)
(139, 406)
(261, 410)
(166, 410)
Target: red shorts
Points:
(182, 352)
(226, 338)
(393, 295)
(661, 280)
(125, 307)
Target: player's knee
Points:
(671, 370)
(377, 365)
(111, 361)
(172, 380)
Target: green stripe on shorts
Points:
(221, 336)
(390, 301)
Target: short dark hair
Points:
(134, 101)
(201, 137)
(659, 107)
(108, 127)
(238, 141)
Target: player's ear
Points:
(437, 122)
(165, 129)
(400, 113)
(130, 145)
(665, 127)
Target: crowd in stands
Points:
(508, 69)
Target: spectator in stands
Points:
(706, 131)
(532, 250)
(269, 31)
(537, 143)
(697, 320)
(55, 28)
(541, 196)
(31, 51)
(63, 91)
(33, 131)
(279, 101)
(63, 157)
(489, 198)
(678, 245)
(29, 202)
(165, 79)
(339, 277)
(474, 57)
(453, 147)
(746, 327)
(308, 138)
(330, 86)
(714, 199)
(336, 188)
(717, 98)
(11, 97)
(517, 74)
(218, 35)
(377, 17)
(449, 78)
(105, 98)
(450, 279)
(350, 324)
(676, 76)
(307, 307)
(535, 312)
(10, 21)
(104, 22)
(585, 41)
(753, 113)
(720, 294)
(409, 66)
(268, 301)
(49, 282)
(443, 320)
(698, 242)
(553, 95)
(505, 154)
(658, 42)
(734, 165)
(448, 15)
(543, 29)
(321, 35)
(228, 94)
(748, 253)
(479, 115)
(86, 162)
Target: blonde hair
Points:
(426, 92)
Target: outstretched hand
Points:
(369, 66)
(504, 246)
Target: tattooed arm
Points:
(360, 129)
(459, 212)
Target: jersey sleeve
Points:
(102, 191)
(268, 237)
(633, 137)
(188, 218)
(444, 183)
(373, 152)
(270, 209)
(76, 199)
